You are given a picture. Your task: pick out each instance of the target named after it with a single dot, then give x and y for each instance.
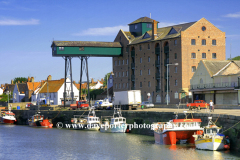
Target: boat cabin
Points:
(211, 130)
(118, 120)
(92, 119)
(37, 118)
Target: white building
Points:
(96, 85)
(1, 91)
(19, 92)
(54, 89)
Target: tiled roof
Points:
(162, 33)
(143, 19)
(9, 87)
(30, 85)
(52, 87)
(220, 67)
(21, 87)
(86, 44)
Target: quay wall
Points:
(229, 123)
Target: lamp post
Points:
(175, 64)
(107, 83)
(8, 97)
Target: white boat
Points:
(211, 139)
(91, 122)
(7, 117)
(117, 125)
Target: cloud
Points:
(233, 15)
(110, 31)
(13, 22)
(105, 31)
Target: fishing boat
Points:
(91, 122)
(117, 125)
(211, 139)
(176, 130)
(38, 120)
(7, 117)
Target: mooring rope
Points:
(231, 127)
(217, 119)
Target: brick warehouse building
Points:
(148, 49)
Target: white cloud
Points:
(13, 22)
(105, 31)
(233, 15)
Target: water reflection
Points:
(39, 143)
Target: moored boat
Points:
(211, 139)
(117, 125)
(38, 120)
(91, 122)
(169, 133)
(7, 117)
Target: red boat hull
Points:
(172, 137)
(7, 121)
(44, 123)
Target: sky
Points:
(28, 27)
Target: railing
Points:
(166, 88)
(215, 85)
(157, 75)
(133, 53)
(166, 61)
(132, 65)
(132, 77)
(157, 63)
(165, 75)
(157, 50)
(157, 88)
(166, 49)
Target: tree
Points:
(20, 79)
(4, 97)
(236, 58)
(105, 79)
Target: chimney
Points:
(154, 29)
(32, 79)
(11, 81)
(49, 78)
(29, 79)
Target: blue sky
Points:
(28, 27)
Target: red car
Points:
(28, 105)
(80, 105)
(199, 104)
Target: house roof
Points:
(221, 67)
(9, 87)
(52, 87)
(21, 87)
(85, 44)
(162, 33)
(33, 85)
(143, 20)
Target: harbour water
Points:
(23, 142)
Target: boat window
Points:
(214, 130)
(208, 131)
(112, 121)
(124, 120)
(116, 120)
(90, 119)
(120, 119)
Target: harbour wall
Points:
(229, 123)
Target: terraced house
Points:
(149, 51)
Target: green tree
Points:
(236, 58)
(105, 79)
(4, 97)
(20, 79)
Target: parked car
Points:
(198, 104)
(28, 105)
(79, 105)
(103, 104)
(147, 104)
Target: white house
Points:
(96, 85)
(54, 89)
(1, 91)
(19, 92)
(217, 81)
